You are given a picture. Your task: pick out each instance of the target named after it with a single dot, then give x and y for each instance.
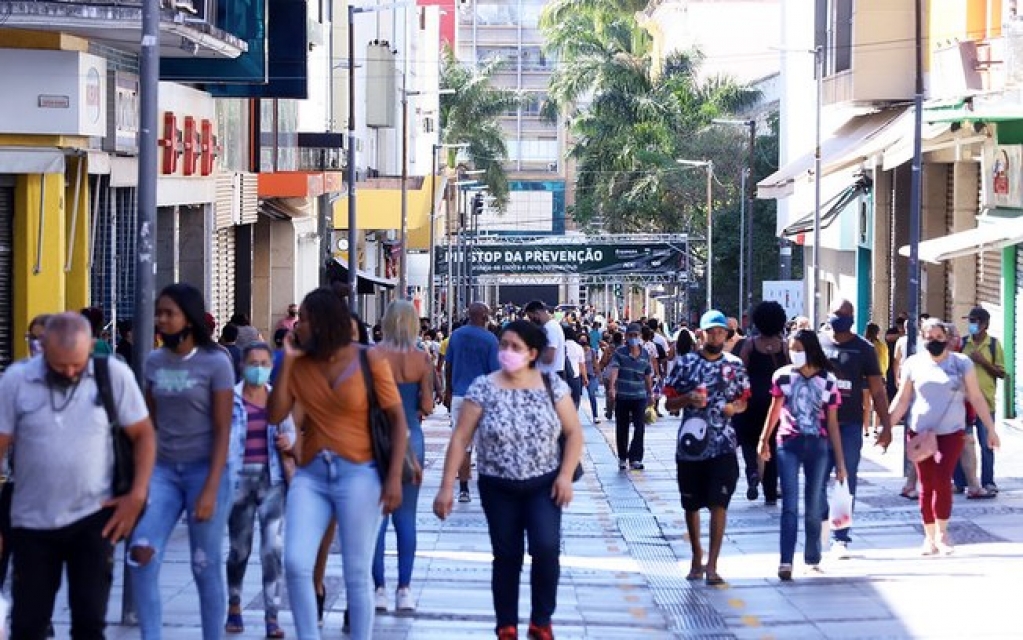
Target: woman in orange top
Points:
(336, 476)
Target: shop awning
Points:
(830, 210)
(300, 184)
(31, 160)
(841, 150)
(993, 113)
(366, 283)
(991, 233)
(887, 135)
(285, 208)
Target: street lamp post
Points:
(749, 194)
(353, 236)
(709, 166)
(815, 299)
(432, 287)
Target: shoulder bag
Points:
(380, 433)
(578, 473)
(124, 453)
(924, 444)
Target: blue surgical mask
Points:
(257, 376)
(973, 328)
(840, 324)
(635, 342)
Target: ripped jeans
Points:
(173, 489)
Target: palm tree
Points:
(469, 110)
(628, 124)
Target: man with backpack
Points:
(64, 515)
(989, 362)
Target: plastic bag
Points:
(840, 503)
(650, 416)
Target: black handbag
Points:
(124, 452)
(578, 473)
(380, 433)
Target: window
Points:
(534, 59)
(833, 33)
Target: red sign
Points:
(197, 144)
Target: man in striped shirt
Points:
(631, 390)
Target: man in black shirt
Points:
(856, 367)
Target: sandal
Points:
(234, 623)
(909, 494)
(714, 580)
(696, 574)
(273, 630)
(979, 494)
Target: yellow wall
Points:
(77, 280)
(43, 291)
(960, 21)
(381, 209)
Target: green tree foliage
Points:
(470, 109)
(629, 126)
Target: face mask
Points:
(840, 324)
(293, 313)
(257, 376)
(974, 328)
(173, 340)
(59, 380)
(35, 346)
(635, 342)
(713, 349)
(935, 347)
(511, 361)
(798, 359)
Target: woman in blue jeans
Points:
(336, 477)
(517, 417)
(804, 406)
(189, 384)
(413, 373)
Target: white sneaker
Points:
(839, 550)
(403, 600)
(381, 599)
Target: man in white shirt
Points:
(552, 360)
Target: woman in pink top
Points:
(805, 399)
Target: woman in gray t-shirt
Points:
(189, 385)
(935, 386)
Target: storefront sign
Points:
(593, 259)
(123, 111)
(1003, 176)
(188, 142)
(53, 92)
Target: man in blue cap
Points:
(709, 386)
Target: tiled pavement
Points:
(626, 554)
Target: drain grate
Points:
(687, 609)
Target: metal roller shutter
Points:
(222, 276)
(989, 278)
(1017, 379)
(6, 271)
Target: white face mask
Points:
(798, 359)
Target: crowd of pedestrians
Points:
(237, 434)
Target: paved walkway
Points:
(626, 554)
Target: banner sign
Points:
(520, 259)
(787, 293)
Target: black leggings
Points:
(748, 431)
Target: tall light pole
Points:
(749, 194)
(432, 287)
(709, 166)
(916, 188)
(815, 299)
(353, 236)
(403, 256)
